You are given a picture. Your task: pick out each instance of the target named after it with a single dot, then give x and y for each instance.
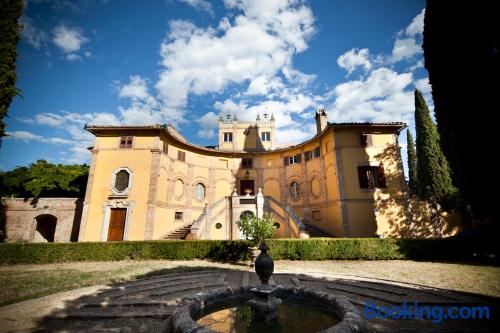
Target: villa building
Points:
(149, 182)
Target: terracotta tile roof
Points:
(94, 129)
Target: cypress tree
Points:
(433, 174)
(9, 36)
(412, 164)
(461, 47)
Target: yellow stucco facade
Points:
(149, 182)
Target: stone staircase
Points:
(315, 232)
(179, 233)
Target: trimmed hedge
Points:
(292, 249)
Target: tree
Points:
(433, 173)
(9, 36)
(412, 164)
(257, 229)
(461, 47)
(43, 179)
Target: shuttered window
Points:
(126, 141)
(181, 156)
(371, 177)
(366, 140)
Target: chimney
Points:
(321, 121)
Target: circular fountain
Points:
(264, 308)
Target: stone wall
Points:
(27, 219)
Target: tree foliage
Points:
(43, 179)
(462, 55)
(412, 164)
(10, 12)
(433, 173)
(257, 229)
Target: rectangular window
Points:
(228, 137)
(247, 163)
(307, 155)
(126, 141)
(178, 215)
(366, 140)
(294, 159)
(181, 156)
(315, 152)
(266, 136)
(371, 177)
(165, 148)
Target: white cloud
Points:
(381, 97)
(353, 59)
(73, 57)
(263, 84)
(255, 47)
(405, 49)
(144, 108)
(416, 27)
(423, 85)
(136, 89)
(32, 34)
(208, 122)
(69, 40)
(28, 136)
(200, 5)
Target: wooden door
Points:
(117, 224)
(247, 184)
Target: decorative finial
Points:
(235, 118)
(272, 117)
(258, 117)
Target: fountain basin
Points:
(184, 316)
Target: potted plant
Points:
(257, 230)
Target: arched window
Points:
(294, 190)
(199, 191)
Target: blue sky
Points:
(186, 61)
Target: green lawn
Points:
(22, 282)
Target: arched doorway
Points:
(45, 228)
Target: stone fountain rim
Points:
(181, 319)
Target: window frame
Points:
(126, 142)
(265, 136)
(366, 139)
(114, 190)
(294, 190)
(228, 136)
(180, 215)
(181, 155)
(295, 159)
(204, 191)
(372, 177)
(245, 164)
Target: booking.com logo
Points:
(417, 311)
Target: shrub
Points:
(291, 249)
